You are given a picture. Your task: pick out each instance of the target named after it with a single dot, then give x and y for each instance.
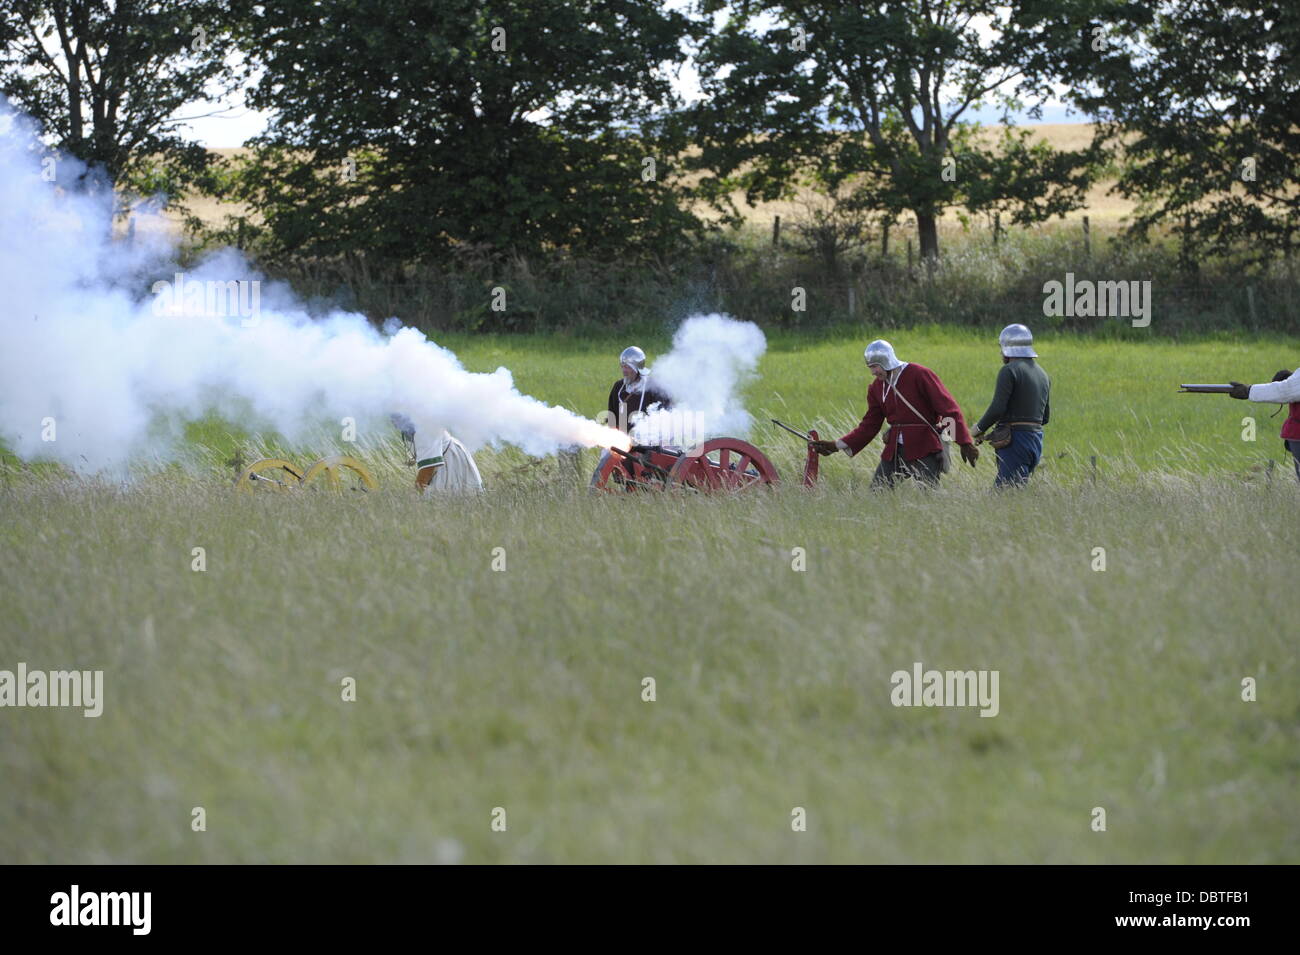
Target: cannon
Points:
(718, 464)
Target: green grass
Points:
(1115, 398)
(522, 688)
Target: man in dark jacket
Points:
(1020, 401)
(633, 395)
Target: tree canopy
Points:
(882, 92)
(414, 129)
(104, 81)
(418, 130)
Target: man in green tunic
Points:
(1020, 400)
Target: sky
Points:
(233, 123)
(238, 124)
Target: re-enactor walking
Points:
(921, 414)
(1019, 409)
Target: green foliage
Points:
(414, 131)
(104, 81)
(879, 92)
(1201, 98)
(977, 283)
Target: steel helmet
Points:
(881, 353)
(1017, 341)
(633, 357)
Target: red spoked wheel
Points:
(604, 478)
(723, 464)
(621, 471)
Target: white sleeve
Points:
(1283, 392)
(843, 447)
(430, 442)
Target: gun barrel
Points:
(1205, 389)
(797, 434)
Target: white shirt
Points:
(1283, 392)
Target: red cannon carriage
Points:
(718, 464)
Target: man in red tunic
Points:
(918, 409)
(1285, 390)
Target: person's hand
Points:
(970, 454)
(1239, 390)
(979, 437)
(824, 447)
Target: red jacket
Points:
(926, 392)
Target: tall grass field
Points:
(543, 674)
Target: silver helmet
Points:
(1017, 341)
(881, 353)
(633, 357)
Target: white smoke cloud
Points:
(712, 358)
(118, 370)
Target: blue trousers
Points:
(1019, 458)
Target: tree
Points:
(879, 90)
(104, 81)
(1202, 98)
(413, 129)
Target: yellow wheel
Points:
(268, 474)
(339, 472)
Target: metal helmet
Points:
(881, 353)
(1017, 341)
(633, 357)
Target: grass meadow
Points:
(499, 645)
